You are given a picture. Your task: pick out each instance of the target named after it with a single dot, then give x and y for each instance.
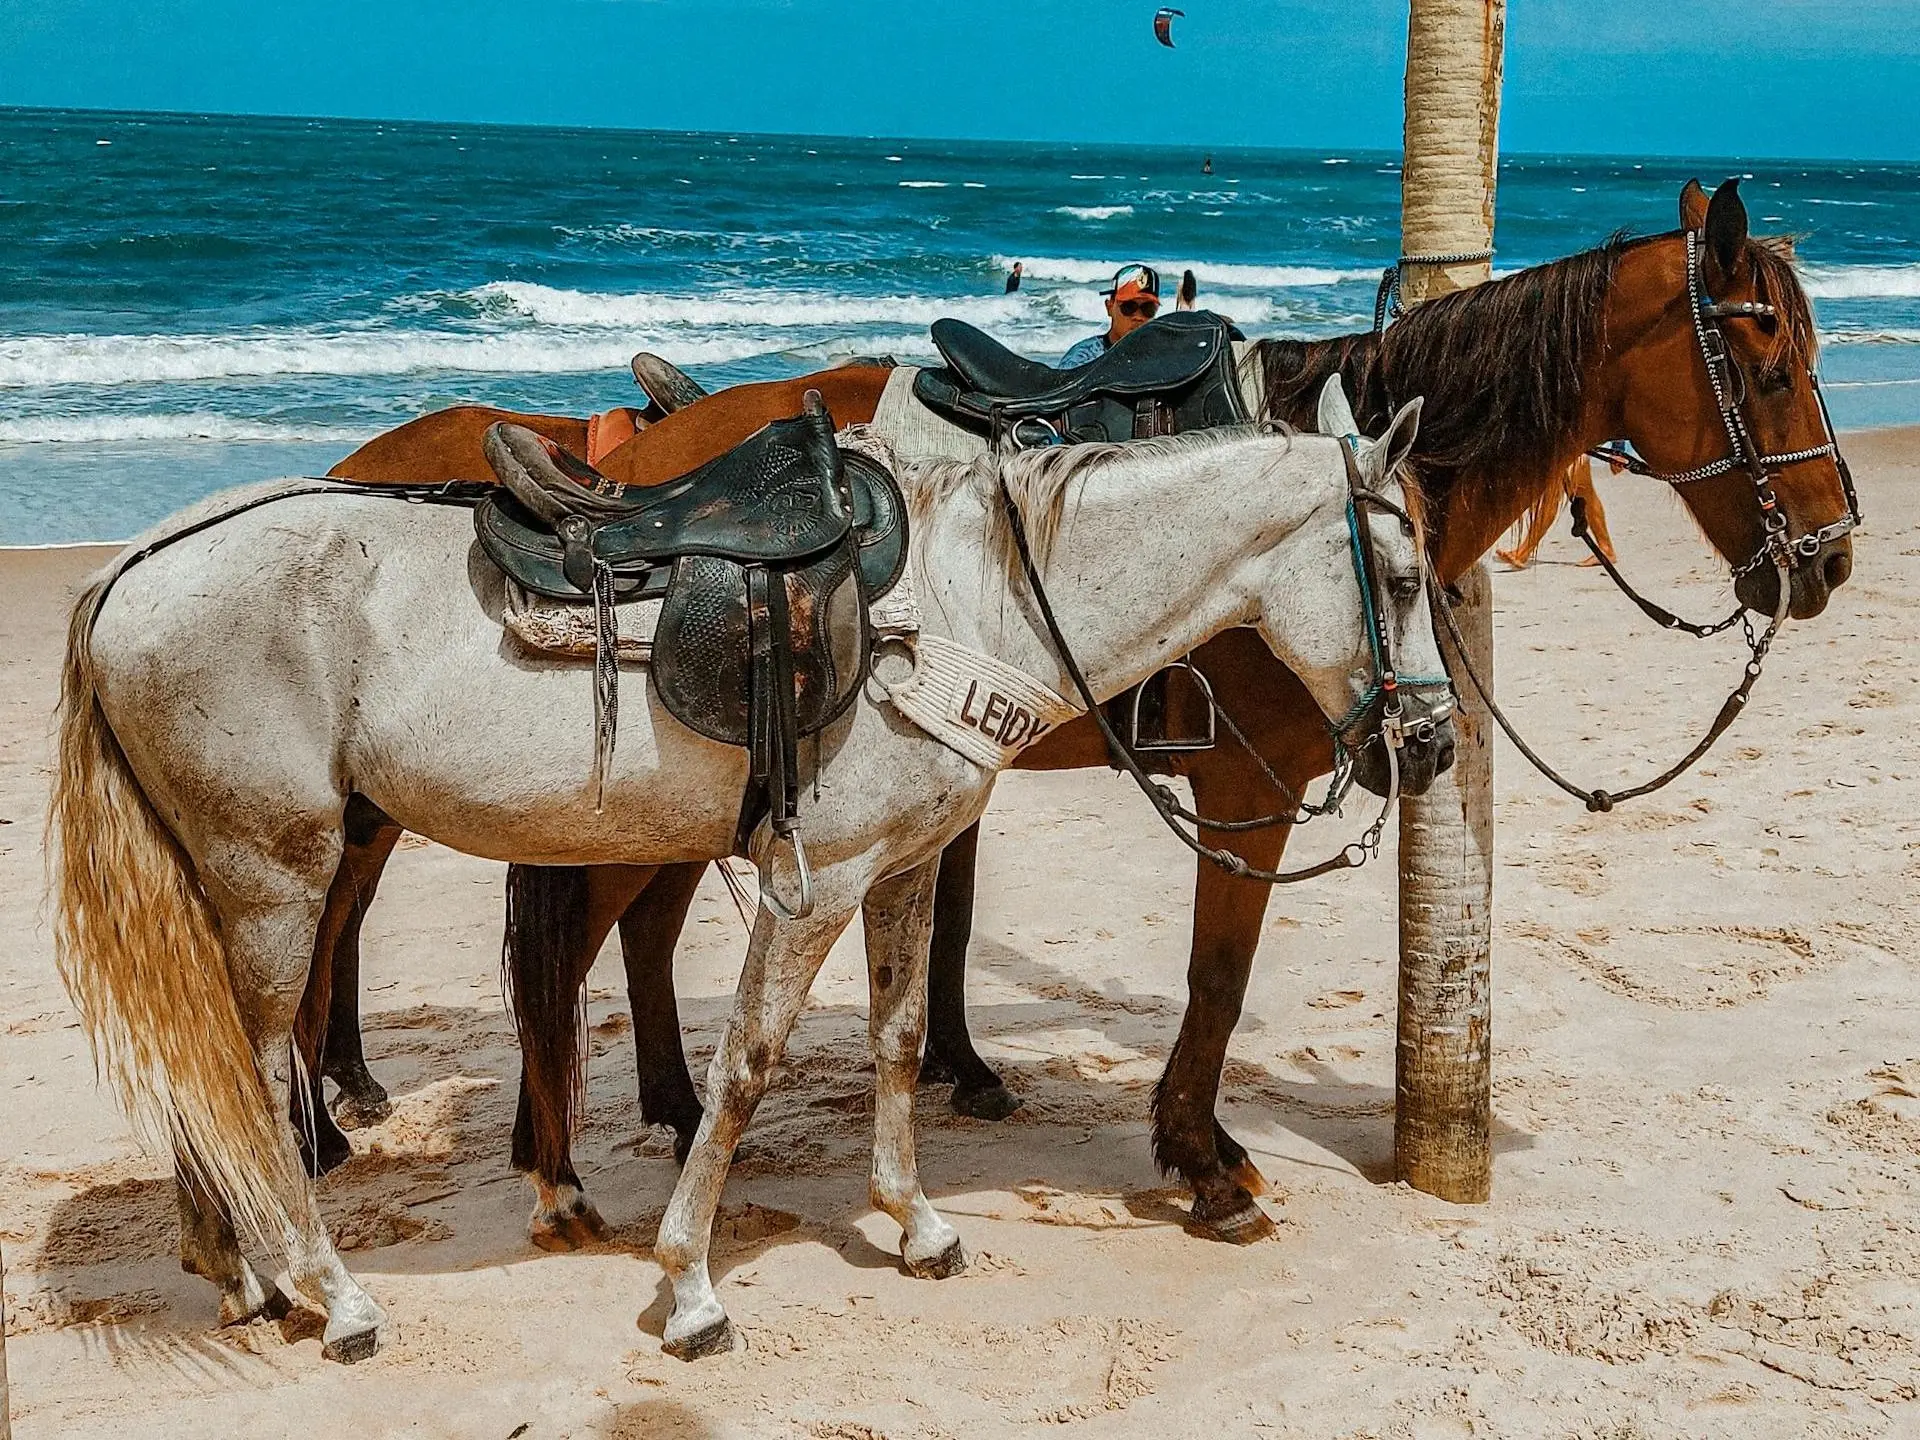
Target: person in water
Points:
(1132, 300)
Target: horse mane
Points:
(1501, 366)
(1777, 283)
(1038, 481)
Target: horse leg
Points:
(782, 959)
(558, 916)
(649, 932)
(1540, 520)
(1187, 1137)
(269, 949)
(1580, 486)
(327, 1028)
(363, 1100)
(977, 1090)
(210, 1249)
(899, 921)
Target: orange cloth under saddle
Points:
(609, 430)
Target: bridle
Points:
(1387, 678)
(1385, 688)
(1729, 385)
(1730, 396)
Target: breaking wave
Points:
(93, 429)
(1860, 282)
(765, 310)
(1240, 277)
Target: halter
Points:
(1385, 683)
(1730, 395)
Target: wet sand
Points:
(1707, 1061)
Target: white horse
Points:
(224, 695)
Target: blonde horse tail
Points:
(140, 951)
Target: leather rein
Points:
(1384, 688)
(1730, 394)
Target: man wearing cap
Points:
(1132, 300)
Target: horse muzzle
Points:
(1426, 753)
(1813, 579)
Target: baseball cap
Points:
(1131, 282)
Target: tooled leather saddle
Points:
(1173, 375)
(765, 558)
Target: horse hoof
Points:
(358, 1112)
(1248, 1177)
(944, 1266)
(267, 1304)
(557, 1235)
(585, 1225)
(994, 1102)
(351, 1348)
(1242, 1224)
(715, 1339)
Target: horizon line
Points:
(1395, 152)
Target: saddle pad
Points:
(912, 429)
(565, 627)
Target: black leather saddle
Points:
(766, 558)
(1174, 374)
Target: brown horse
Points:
(1521, 375)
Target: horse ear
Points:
(1727, 229)
(1693, 206)
(1397, 443)
(1335, 415)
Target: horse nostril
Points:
(1836, 569)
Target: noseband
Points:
(1730, 396)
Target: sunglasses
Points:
(1134, 308)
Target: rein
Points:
(1599, 801)
(1355, 853)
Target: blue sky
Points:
(1746, 78)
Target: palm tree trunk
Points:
(1443, 1117)
(6, 1404)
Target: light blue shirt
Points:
(1091, 348)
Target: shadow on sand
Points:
(436, 1172)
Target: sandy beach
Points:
(1706, 1212)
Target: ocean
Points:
(188, 302)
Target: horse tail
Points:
(546, 931)
(139, 948)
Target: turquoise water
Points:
(188, 302)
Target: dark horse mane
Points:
(1501, 367)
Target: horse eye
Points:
(1773, 381)
(1406, 588)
